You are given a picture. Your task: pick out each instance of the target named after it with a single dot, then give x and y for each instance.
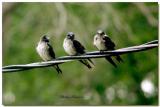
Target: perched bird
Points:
(104, 43)
(46, 52)
(74, 47)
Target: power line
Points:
(94, 54)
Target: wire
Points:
(94, 54)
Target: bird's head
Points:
(70, 35)
(44, 38)
(100, 32)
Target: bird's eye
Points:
(68, 35)
(72, 35)
(102, 33)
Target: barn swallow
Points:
(46, 52)
(74, 47)
(104, 43)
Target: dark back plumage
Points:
(108, 42)
(79, 47)
(51, 52)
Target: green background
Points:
(127, 24)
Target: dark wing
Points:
(51, 52)
(79, 48)
(108, 42)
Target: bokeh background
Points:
(134, 82)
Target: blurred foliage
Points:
(126, 23)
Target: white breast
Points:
(99, 43)
(69, 47)
(42, 50)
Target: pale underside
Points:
(43, 51)
(99, 43)
(69, 47)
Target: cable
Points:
(94, 54)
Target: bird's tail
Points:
(58, 69)
(91, 61)
(86, 63)
(108, 58)
(119, 59)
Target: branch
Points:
(94, 54)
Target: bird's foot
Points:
(101, 51)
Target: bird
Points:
(73, 47)
(104, 43)
(46, 52)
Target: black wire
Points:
(94, 54)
